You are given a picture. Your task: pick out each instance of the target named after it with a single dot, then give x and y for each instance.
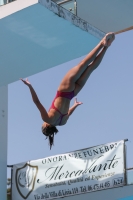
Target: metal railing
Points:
(62, 1)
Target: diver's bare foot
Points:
(108, 39)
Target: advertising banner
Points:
(87, 170)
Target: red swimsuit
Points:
(68, 95)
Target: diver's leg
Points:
(68, 82)
(84, 77)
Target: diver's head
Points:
(49, 130)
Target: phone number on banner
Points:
(82, 189)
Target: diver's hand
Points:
(77, 103)
(26, 82)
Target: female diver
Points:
(69, 87)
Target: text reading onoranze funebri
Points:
(88, 153)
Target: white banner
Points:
(87, 170)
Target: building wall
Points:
(3, 140)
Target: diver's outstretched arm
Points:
(36, 100)
(76, 104)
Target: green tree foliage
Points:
(8, 189)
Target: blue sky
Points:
(106, 114)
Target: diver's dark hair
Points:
(49, 132)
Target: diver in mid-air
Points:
(69, 87)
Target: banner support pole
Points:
(125, 162)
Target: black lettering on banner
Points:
(54, 169)
(58, 173)
(85, 154)
(55, 159)
(53, 194)
(118, 181)
(80, 154)
(67, 173)
(96, 187)
(113, 163)
(43, 161)
(70, 155)
(61, 176)
(79, 172)
(101, 186)
(66, 192)
(112, 146)
(71, 174)
(87, 179)
(74, 190)
(83, 189)
(95, 151)
(65, 158)
(101, 150)
(75, 155)
(44, 196)
(60, 158)
(59, 193)
(107, 184)
(90, 188)
(55, 173)
(89, 153)
(106, 148)
(37, 197)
